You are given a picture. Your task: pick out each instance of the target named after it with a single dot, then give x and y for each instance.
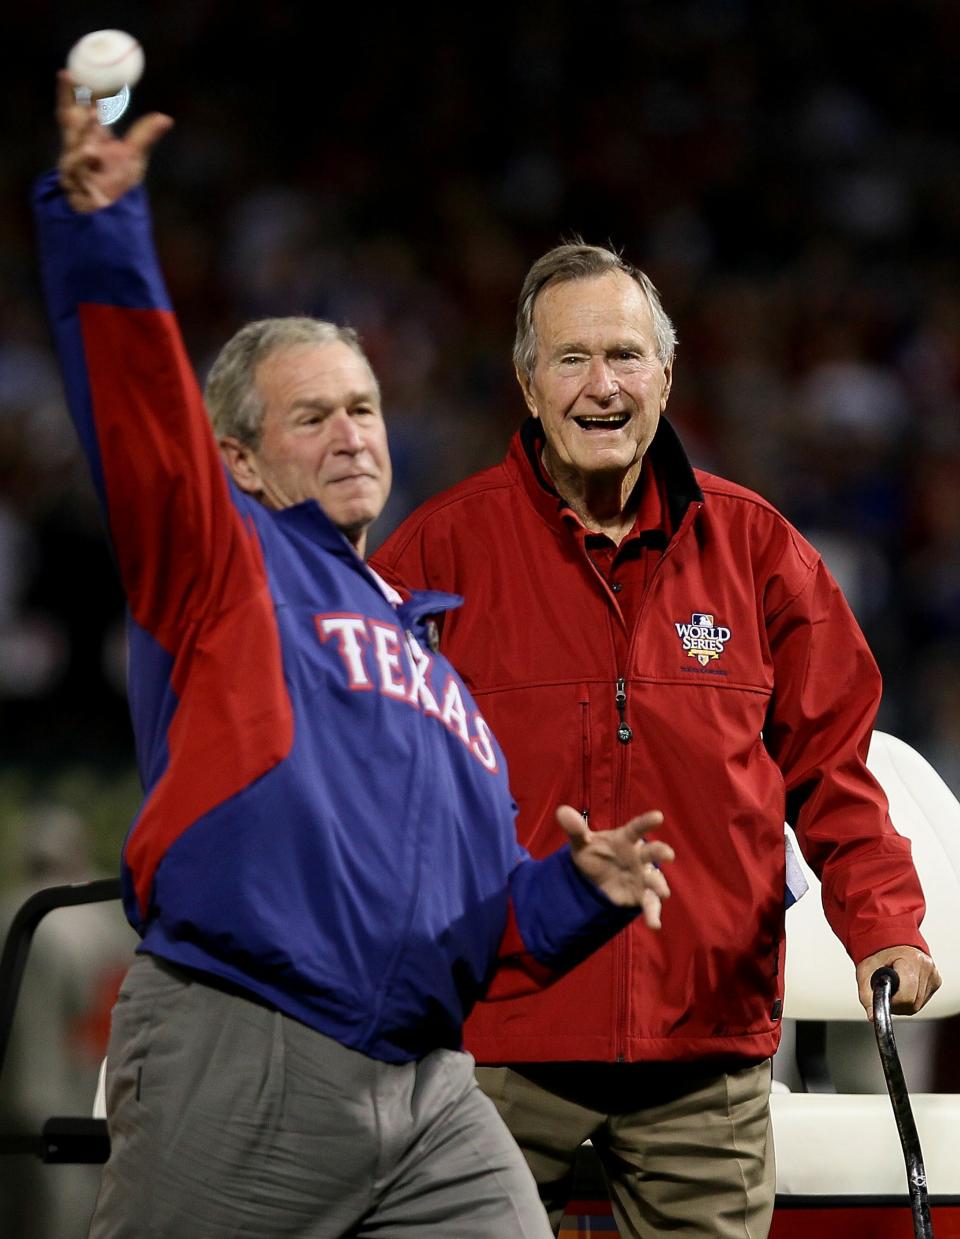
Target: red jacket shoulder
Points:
(731, 504)
(401, 558)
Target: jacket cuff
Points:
(563, 916)
(103, 256)
(897, 931)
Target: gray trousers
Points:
(228, 1119)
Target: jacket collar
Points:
(671, 468)
(309, 519)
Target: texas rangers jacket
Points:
(327, 821)
(743, 694)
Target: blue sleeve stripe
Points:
(105, 256)
(85, 257)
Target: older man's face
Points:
(598, 386)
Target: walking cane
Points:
(885, 984)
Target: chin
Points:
(353, 524)
(610, 461)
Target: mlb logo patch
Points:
(703, 638)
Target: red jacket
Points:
(750, 695)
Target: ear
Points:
(241, 463)
(667, 384)
(527, 393)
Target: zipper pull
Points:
(624, 732)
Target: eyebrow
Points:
(573, 346)
(370, 396)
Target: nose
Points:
(601, 382)
(345, 433)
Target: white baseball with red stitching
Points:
(105, 61)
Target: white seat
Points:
(845, 1143)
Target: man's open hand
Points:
(96, 166)
(621, 862)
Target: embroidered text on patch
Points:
(703, 638)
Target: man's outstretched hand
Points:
(622, 862)
(96, 166)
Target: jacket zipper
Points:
(622, 953)
(585, 760)
(625, 735)
(624, 731)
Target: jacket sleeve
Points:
(188, 551)
(556, 918)
(826, 695)
(138, 411)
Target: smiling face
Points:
(598, 385)
(322, 437)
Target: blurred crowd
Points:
(788, 173)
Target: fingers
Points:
(144, 133)
(96, 165)
(77, 121)
(658, 852)
(80, 124)
(919, 979)
(622, 863)
(657, 890)
(652, 908)
(66, 93)
(934, 981)
(80, 136)
(573, 823)
(575, 826)
(655, 881)
(637, 827)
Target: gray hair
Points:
(577, 261)
(233, 402)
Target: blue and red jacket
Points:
(327, 821)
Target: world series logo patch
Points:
(703, 638)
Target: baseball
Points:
(106, 61)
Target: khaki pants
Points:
(685, 1150)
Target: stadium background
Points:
(788, 171)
